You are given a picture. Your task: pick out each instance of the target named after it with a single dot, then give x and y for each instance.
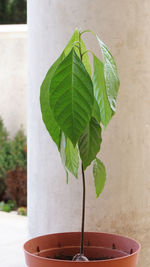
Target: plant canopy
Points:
(75, 103)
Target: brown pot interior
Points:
(97, 246)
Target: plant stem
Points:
(83, 184)
(83, 214)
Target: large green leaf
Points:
(89, 143)
(75, 41)
(100, 91)
(71, 96)
(47, 114)
(111, 75)
(69, 155)
(99, 174)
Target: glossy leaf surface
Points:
(89, 142)
(100, 91)
(47, 114)
(71, 96)
(99, 174)
(110, 74)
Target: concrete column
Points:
(124, 206)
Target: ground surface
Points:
(13, 233)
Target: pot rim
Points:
(91, 232)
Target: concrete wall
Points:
(124, 206)
(13, 76)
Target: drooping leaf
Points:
(75, 41)
(72, 158)
(96, 111)
(62, 149)
(89, 143)
(110, 74)
(69, 155)
(71, 96)
(67, 177)
(99, 174)
(63, 154)
(47, 114)
(100, 91)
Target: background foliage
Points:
(13, 164)
(13, 11)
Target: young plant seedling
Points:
(74, 104)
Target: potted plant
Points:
(74, 106)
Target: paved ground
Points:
(13, 233)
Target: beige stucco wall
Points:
(13, 76)
(124, 206)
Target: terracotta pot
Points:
(120, 251)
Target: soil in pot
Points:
(91, 252)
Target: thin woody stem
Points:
(83, 183)
(83, 214)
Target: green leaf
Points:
(63, 154)
(72, 159)
(67, 176)
(73, 42)
(69, 155)
(47, 114)
(89, 142)
(96, 111)
(99, 174)
(100, 91)
(85, 58)
(71, 96)
(111, 75)
(62, 149)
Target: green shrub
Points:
(22, 211)
(13, 156)
(18, 152)
(6, 160)
(5, 206)
(3, 133)
(4, 154)
(12, 204)
(13, 153)
(13, 11)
